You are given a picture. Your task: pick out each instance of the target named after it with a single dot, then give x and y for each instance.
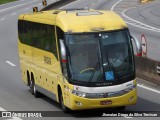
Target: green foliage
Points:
(6, 1)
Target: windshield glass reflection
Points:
(84, 63)
(100, 57)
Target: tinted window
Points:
(38, 35)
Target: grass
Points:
(6, 1)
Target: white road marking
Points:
(13, 13)
(115, 5)
(2, 19)
(1, 109)
(147, 88)
(15, 6)
(141, 26)
(69, 4)
(135, 22)
(10, 63)
(9, 118)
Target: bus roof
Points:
(78, 20)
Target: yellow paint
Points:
(68, 21)
(95, 103)
(49, 76)
(144, 1)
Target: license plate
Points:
(107, 102)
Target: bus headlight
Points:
(78, 93)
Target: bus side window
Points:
(52, 41)
(49, 40)
(35, 34)
(45, 37)
(21, 30)
(38, 35)
(24, 32)
(60, 33)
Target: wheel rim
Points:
(31, 84)
(31, 87)
(34, 89)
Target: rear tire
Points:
(36, 93)
(33, 89)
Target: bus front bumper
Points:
(79, 103)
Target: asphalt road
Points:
(143, 19)
(15, 96)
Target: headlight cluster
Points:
(78, 93)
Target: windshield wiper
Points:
(93, 73)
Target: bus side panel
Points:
(25, 55)
(46, 69)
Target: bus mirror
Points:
(63, 51)
(138, 46)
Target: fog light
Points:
(131, 99)
(78, 103)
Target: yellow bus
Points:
(83, 59)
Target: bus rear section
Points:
(95, 60)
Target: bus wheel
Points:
(33, 89)
(121, 108)
(64, 108)
(35, 92)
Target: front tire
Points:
(61, 100)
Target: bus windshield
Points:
(100, 57)
(117, 55)
(84, 57)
